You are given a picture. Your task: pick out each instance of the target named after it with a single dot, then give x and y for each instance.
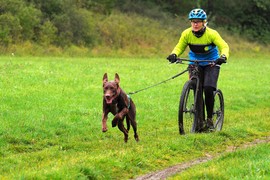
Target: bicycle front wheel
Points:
(218, 113)
(186, 112)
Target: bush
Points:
(10, 29)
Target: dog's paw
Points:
(104, 129)
(126, 139)
(136, 138)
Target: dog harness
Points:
(128, 96)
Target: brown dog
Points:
(116, 101)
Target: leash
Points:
(173, 77)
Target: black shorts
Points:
(208, 75)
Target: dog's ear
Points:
(117, 78)
(105, 78)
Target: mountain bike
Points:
(191, 114)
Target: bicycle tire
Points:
(218, 113)
(186, 112)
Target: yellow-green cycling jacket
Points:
(206, 47)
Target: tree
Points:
(249, 18)
(47, 33)
(30, 19)
(18, 21)
(9, 29)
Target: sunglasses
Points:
(196, 21)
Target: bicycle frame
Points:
(198, 111)
(198, 101)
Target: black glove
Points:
(172, 58)
(222, 59)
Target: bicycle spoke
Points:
(218, 113)
(186, 109)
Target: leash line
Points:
(173, 77)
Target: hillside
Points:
(105, 28)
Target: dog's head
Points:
(111, 88)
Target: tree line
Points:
(76, 22)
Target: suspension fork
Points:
(196, 81)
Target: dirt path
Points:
(163, 174)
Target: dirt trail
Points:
(163, 174)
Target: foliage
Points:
(47, 33)
(25, 19)
(135, 36)
(10, 29)
(249, 18)
(66, 23)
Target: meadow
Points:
(50, 115)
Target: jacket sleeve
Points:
(221, 44)
(181, 45)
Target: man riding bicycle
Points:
(204, 44)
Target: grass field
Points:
(50, 115)
(251, 163)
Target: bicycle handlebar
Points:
(180, 60)
(196, 62)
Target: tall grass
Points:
(50, 115)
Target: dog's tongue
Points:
(109, 100)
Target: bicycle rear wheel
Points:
(218, 113)
(186, 112)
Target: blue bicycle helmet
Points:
(197, 14)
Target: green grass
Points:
(251, 163)
(50, 115)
